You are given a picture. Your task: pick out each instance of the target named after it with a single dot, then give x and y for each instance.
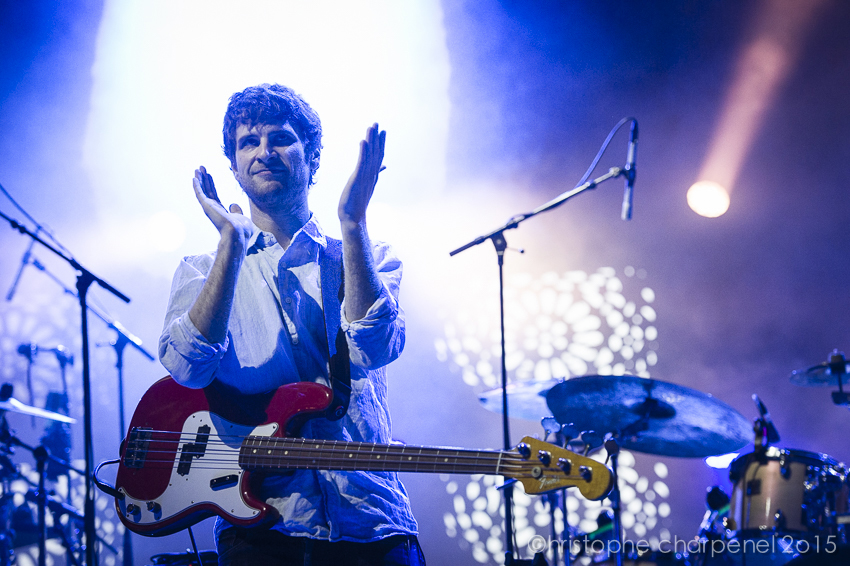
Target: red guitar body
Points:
(179, 463)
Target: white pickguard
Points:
(220, 459)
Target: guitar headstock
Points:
(542, 467)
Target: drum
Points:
(787, 492)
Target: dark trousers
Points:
(254, 547)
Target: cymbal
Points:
(13, 405)
(650, 416)
(825, 374)
(526, 399)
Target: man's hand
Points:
(211, 309)
(362, 286)
(232, 224)
(358, 191)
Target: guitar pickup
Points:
(138, 442)
(224, 482)
(193, 450)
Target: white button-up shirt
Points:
(276, 335)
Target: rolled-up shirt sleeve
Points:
(378, 338)
(189, 357)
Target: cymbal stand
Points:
(124, 338)
(613, 449)
(64, 358)
(838, 366)
(29, 351)
(562, 435)
(120, 342)
(8, 471)
(40, 455)
(84, 280)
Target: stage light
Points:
(160, 83)
(765, 62)
(708, 199)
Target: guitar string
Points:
(306, 452)
(295, 443)
(280, 460)
(321, 445)
(332, 450)
(518, 468)
(310, 449)
(360, 453)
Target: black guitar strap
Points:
(333, 285)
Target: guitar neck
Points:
(277, 454)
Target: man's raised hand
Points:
(228, 223)
(358, 191)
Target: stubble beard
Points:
(288, 194)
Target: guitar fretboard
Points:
(264, 453)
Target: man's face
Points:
(271, 165)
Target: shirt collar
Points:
(311, 230)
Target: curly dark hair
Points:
(273, 103)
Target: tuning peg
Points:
(612, 447)
(550, 426)
(569, 431)
(524, 450)
(592, 440)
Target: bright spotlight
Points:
(721, 462)
(708, 199)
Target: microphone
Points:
(770, 428)
(24, 262)
(63, 356)
(28, 351)
(630, 172)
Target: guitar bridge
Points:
(137, 447)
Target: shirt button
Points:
(288, 299)
(295, 341)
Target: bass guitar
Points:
(191, 454)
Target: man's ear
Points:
(314, 165)
(235, 173)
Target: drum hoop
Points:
(790, 454)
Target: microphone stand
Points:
(123, 334)
(497, 236)
(121, 341)
(24, 261)
(124, 338)
(84, 280)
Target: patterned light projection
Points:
(557, 326)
